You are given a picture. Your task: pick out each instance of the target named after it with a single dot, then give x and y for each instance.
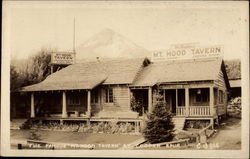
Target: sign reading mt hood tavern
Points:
(189, 52)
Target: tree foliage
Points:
(15, 82)
(159, 127)
(33, 70)
(233, 69)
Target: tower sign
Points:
(63, 58)
(60, 60)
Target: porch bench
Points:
(81, 114)
(73, 113)
(57, 115)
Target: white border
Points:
(5, 83)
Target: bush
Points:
(34, 135)
(159, 127)
(196, 124)
(26, 125)
(99, 127)
(234, 107)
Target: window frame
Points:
(221, 97)
(204, 97)
(109, 95)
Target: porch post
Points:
(64, 105)
(176, 98)
(99, 97)
(32, 110)
(89, 104)
(187, 101)
(211, 100)
(150, 99)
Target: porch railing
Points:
(199, 111)
(193, 111)
(181, 111)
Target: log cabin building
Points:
(102, 90)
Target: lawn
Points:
(227, 137)
(102, 141)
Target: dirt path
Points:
(228, 136)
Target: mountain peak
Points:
(108, 43)
(107, 31)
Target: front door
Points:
(170, 99)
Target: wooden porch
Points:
(191, 102)
(193, 111)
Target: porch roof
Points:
(89, 74)
(179, 71)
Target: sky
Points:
(29, 25)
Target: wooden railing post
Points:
(199, 111)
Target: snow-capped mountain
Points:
(108, 44)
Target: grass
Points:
(76, 137)
(228, 137)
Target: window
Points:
(202, 95)
(221, 96)
(74, 100)
(198, 98)
(94, 96)
(109, 95)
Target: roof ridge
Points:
(109, 59)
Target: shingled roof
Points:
(89, 74)
(179, 71)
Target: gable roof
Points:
(123, 71)
(89, 74)
(179, 71)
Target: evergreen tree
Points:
(159, 127)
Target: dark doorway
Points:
(170, 99)
(140, 96)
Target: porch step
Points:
(179, 122)
(17, 123)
